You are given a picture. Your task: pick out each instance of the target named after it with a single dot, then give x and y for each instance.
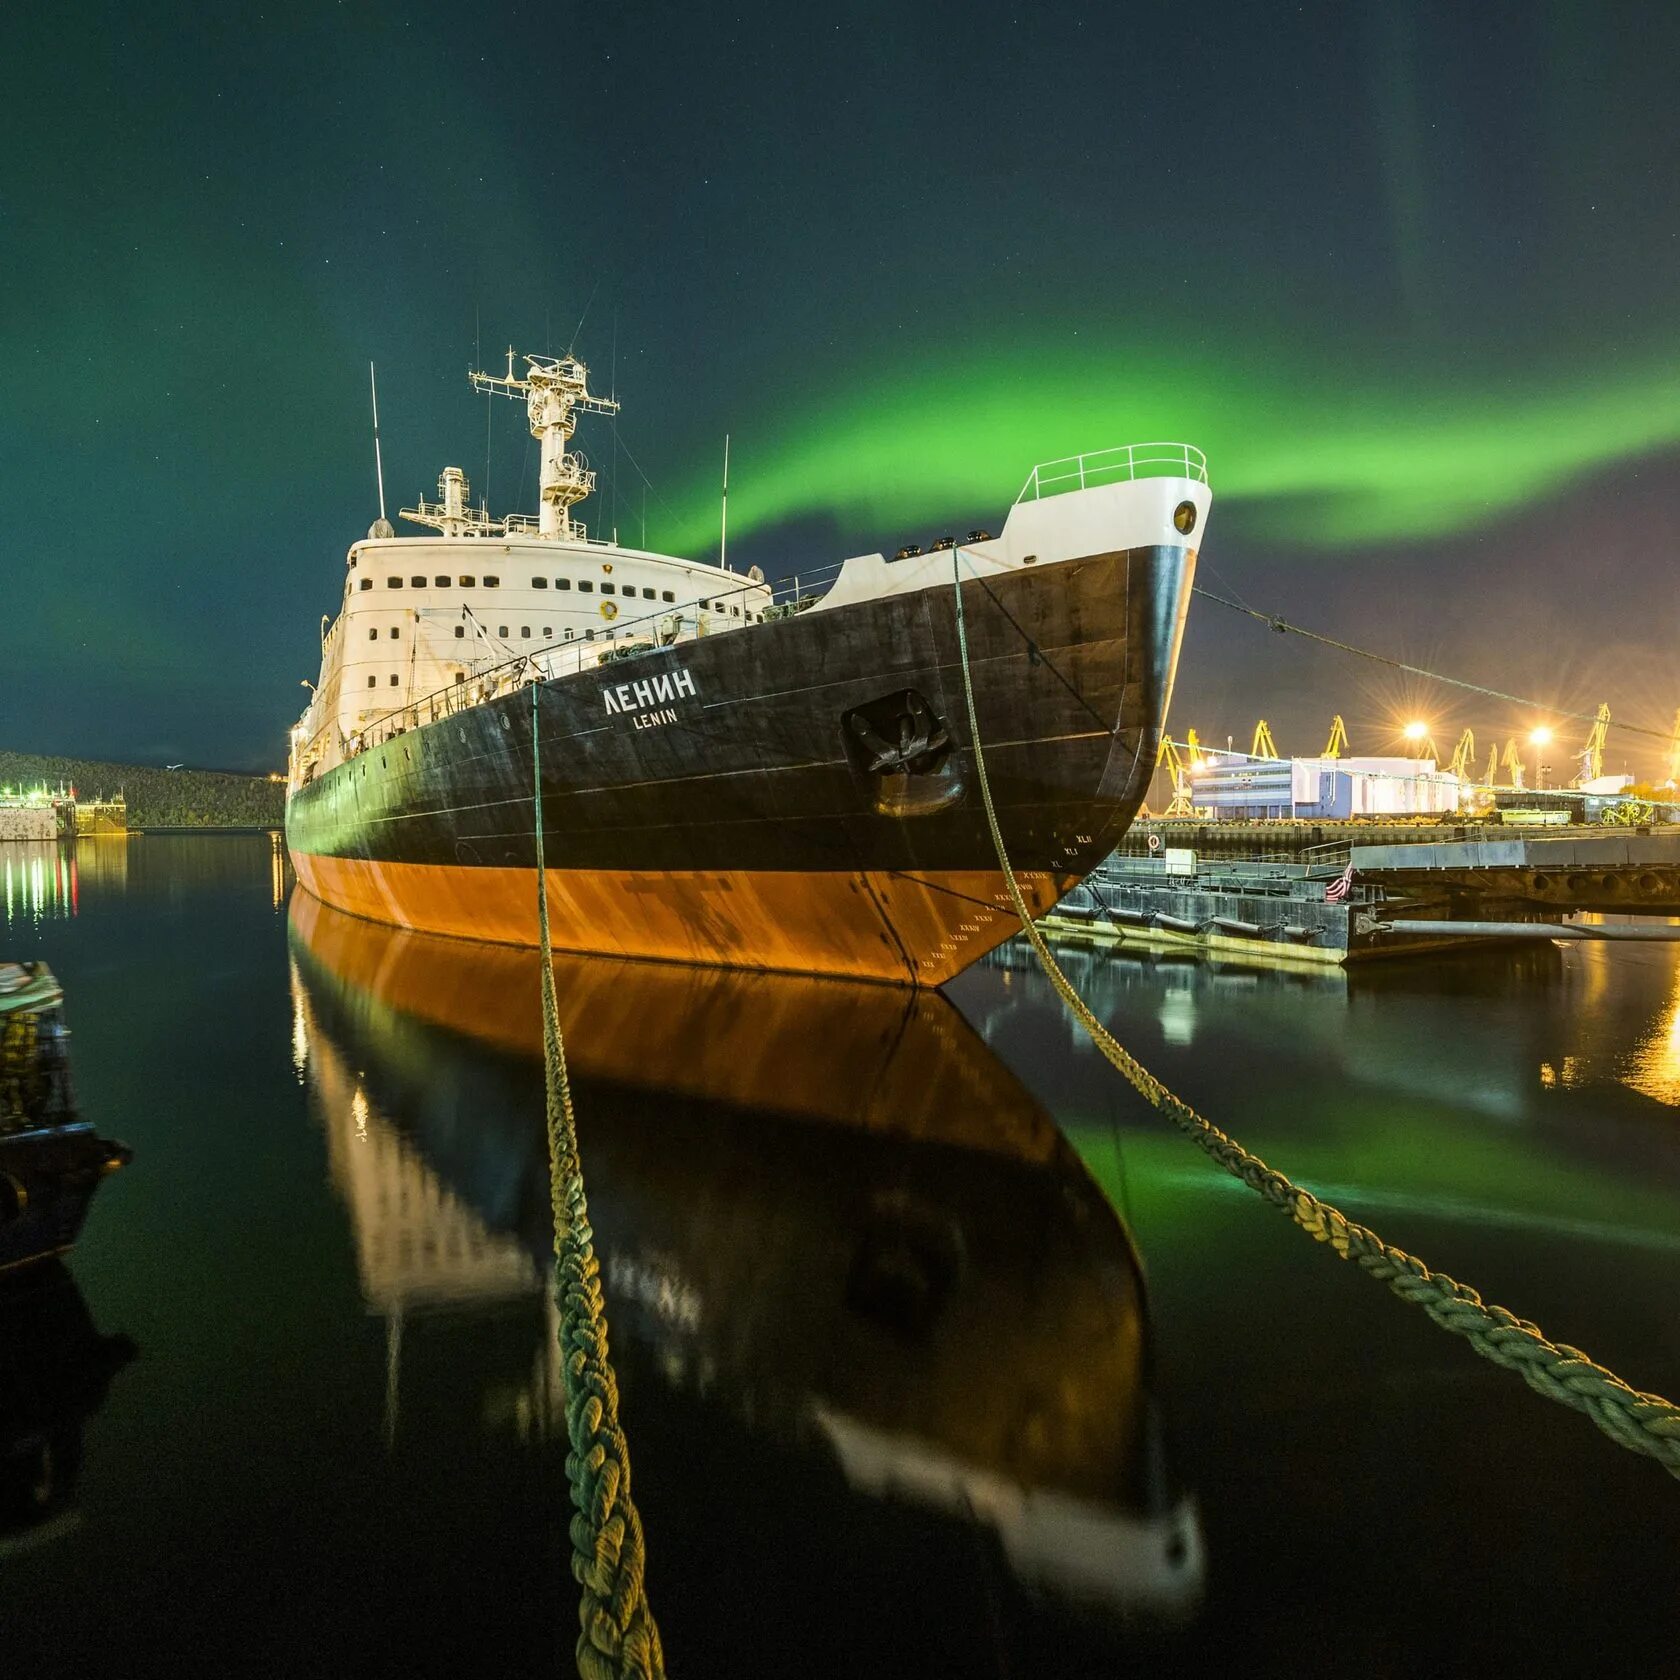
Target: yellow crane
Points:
(1592, 754)
(1492, 773)
(1170, 760)
(1462, 754)
(1338, 742)
(1674, 754)
(1264, 746)
(1513, 763)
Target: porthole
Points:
(1184, 517)
(608, 610)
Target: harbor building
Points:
(1240, 788)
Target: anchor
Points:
(921, 737)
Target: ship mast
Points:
(554, 389)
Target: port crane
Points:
(1338, 742)
(1514, 763)
(1264, 746)
(1592, 754)
(1462, 755)
(1178, 766)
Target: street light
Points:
(1415, 731)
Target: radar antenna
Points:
(555, 388)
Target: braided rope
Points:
(609, 1557)
(1644, 1423)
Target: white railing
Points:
(1115, 466)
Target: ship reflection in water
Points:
(837, 1236)
(55, 1368)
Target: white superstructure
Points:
(428, 624)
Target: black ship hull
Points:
(797, 795)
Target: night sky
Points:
(1407, 274)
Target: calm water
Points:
(939, 1355)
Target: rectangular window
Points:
(460, 631)
(548, 629)
(608, 589)
(417, 583)
(395, 632)
(666, 595)
(367, 583)
(736, 611)
(539, 583)
(562, 583)
(393, 583)
(503, 632)
(647, 594)
(441, 582)
(589, 635)
(585, 585)
(568, 635)
(525, 632)
(372, 681)
(393, 679)
(465, 582)
(491, 582)
(373, 635)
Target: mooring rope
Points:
(1645, 1423)
(619, 1636)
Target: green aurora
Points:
(1325, 455)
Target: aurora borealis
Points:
(1407, 274)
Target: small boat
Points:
(51, 1160)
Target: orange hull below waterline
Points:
(864, 926)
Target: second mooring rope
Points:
(619, 1636)
(1645, 1423)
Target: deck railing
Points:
(1115, 466)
